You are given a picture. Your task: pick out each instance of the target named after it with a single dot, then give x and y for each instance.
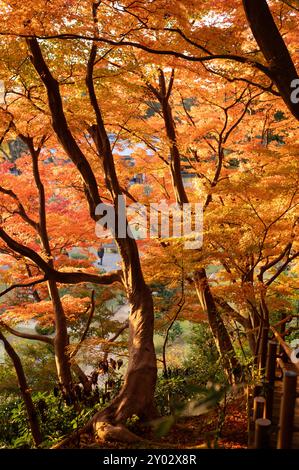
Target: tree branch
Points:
(58, 276)
(27, 284)
(21, 210)
(61, 127)
(274, 49)
(20, 334)
(90, 316)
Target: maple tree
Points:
(142, 365)
(40, 234)
(175, 78)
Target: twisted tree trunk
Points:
(222, 339)
(137, 394)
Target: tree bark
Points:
(246, 323)
(61, 339)
(25, 391)
(61, 342)
(221, 337)
(274, 49)
(137, 394)
(163, 95)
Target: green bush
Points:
(56, 420)
(204, 359)
(202, 366)
(8, 428)
(77, 255)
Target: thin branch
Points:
(122, 43)
(91, 309)
(116, 335)
(21, 210)
(58, 276)
(282, 268)
(20, 285)
(20, 334)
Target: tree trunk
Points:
(274, 49)
(25, 391)
(163, 96)
(175, 160)
(221, 337)
(251, 341)
(220, 334)
(61, 339)
(246, 323)
(61, 342)
(137, 394)
(82, 378)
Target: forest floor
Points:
(220, 428)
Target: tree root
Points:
(73, 440)
(119, 433)
(98, 432)
(107, 425)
